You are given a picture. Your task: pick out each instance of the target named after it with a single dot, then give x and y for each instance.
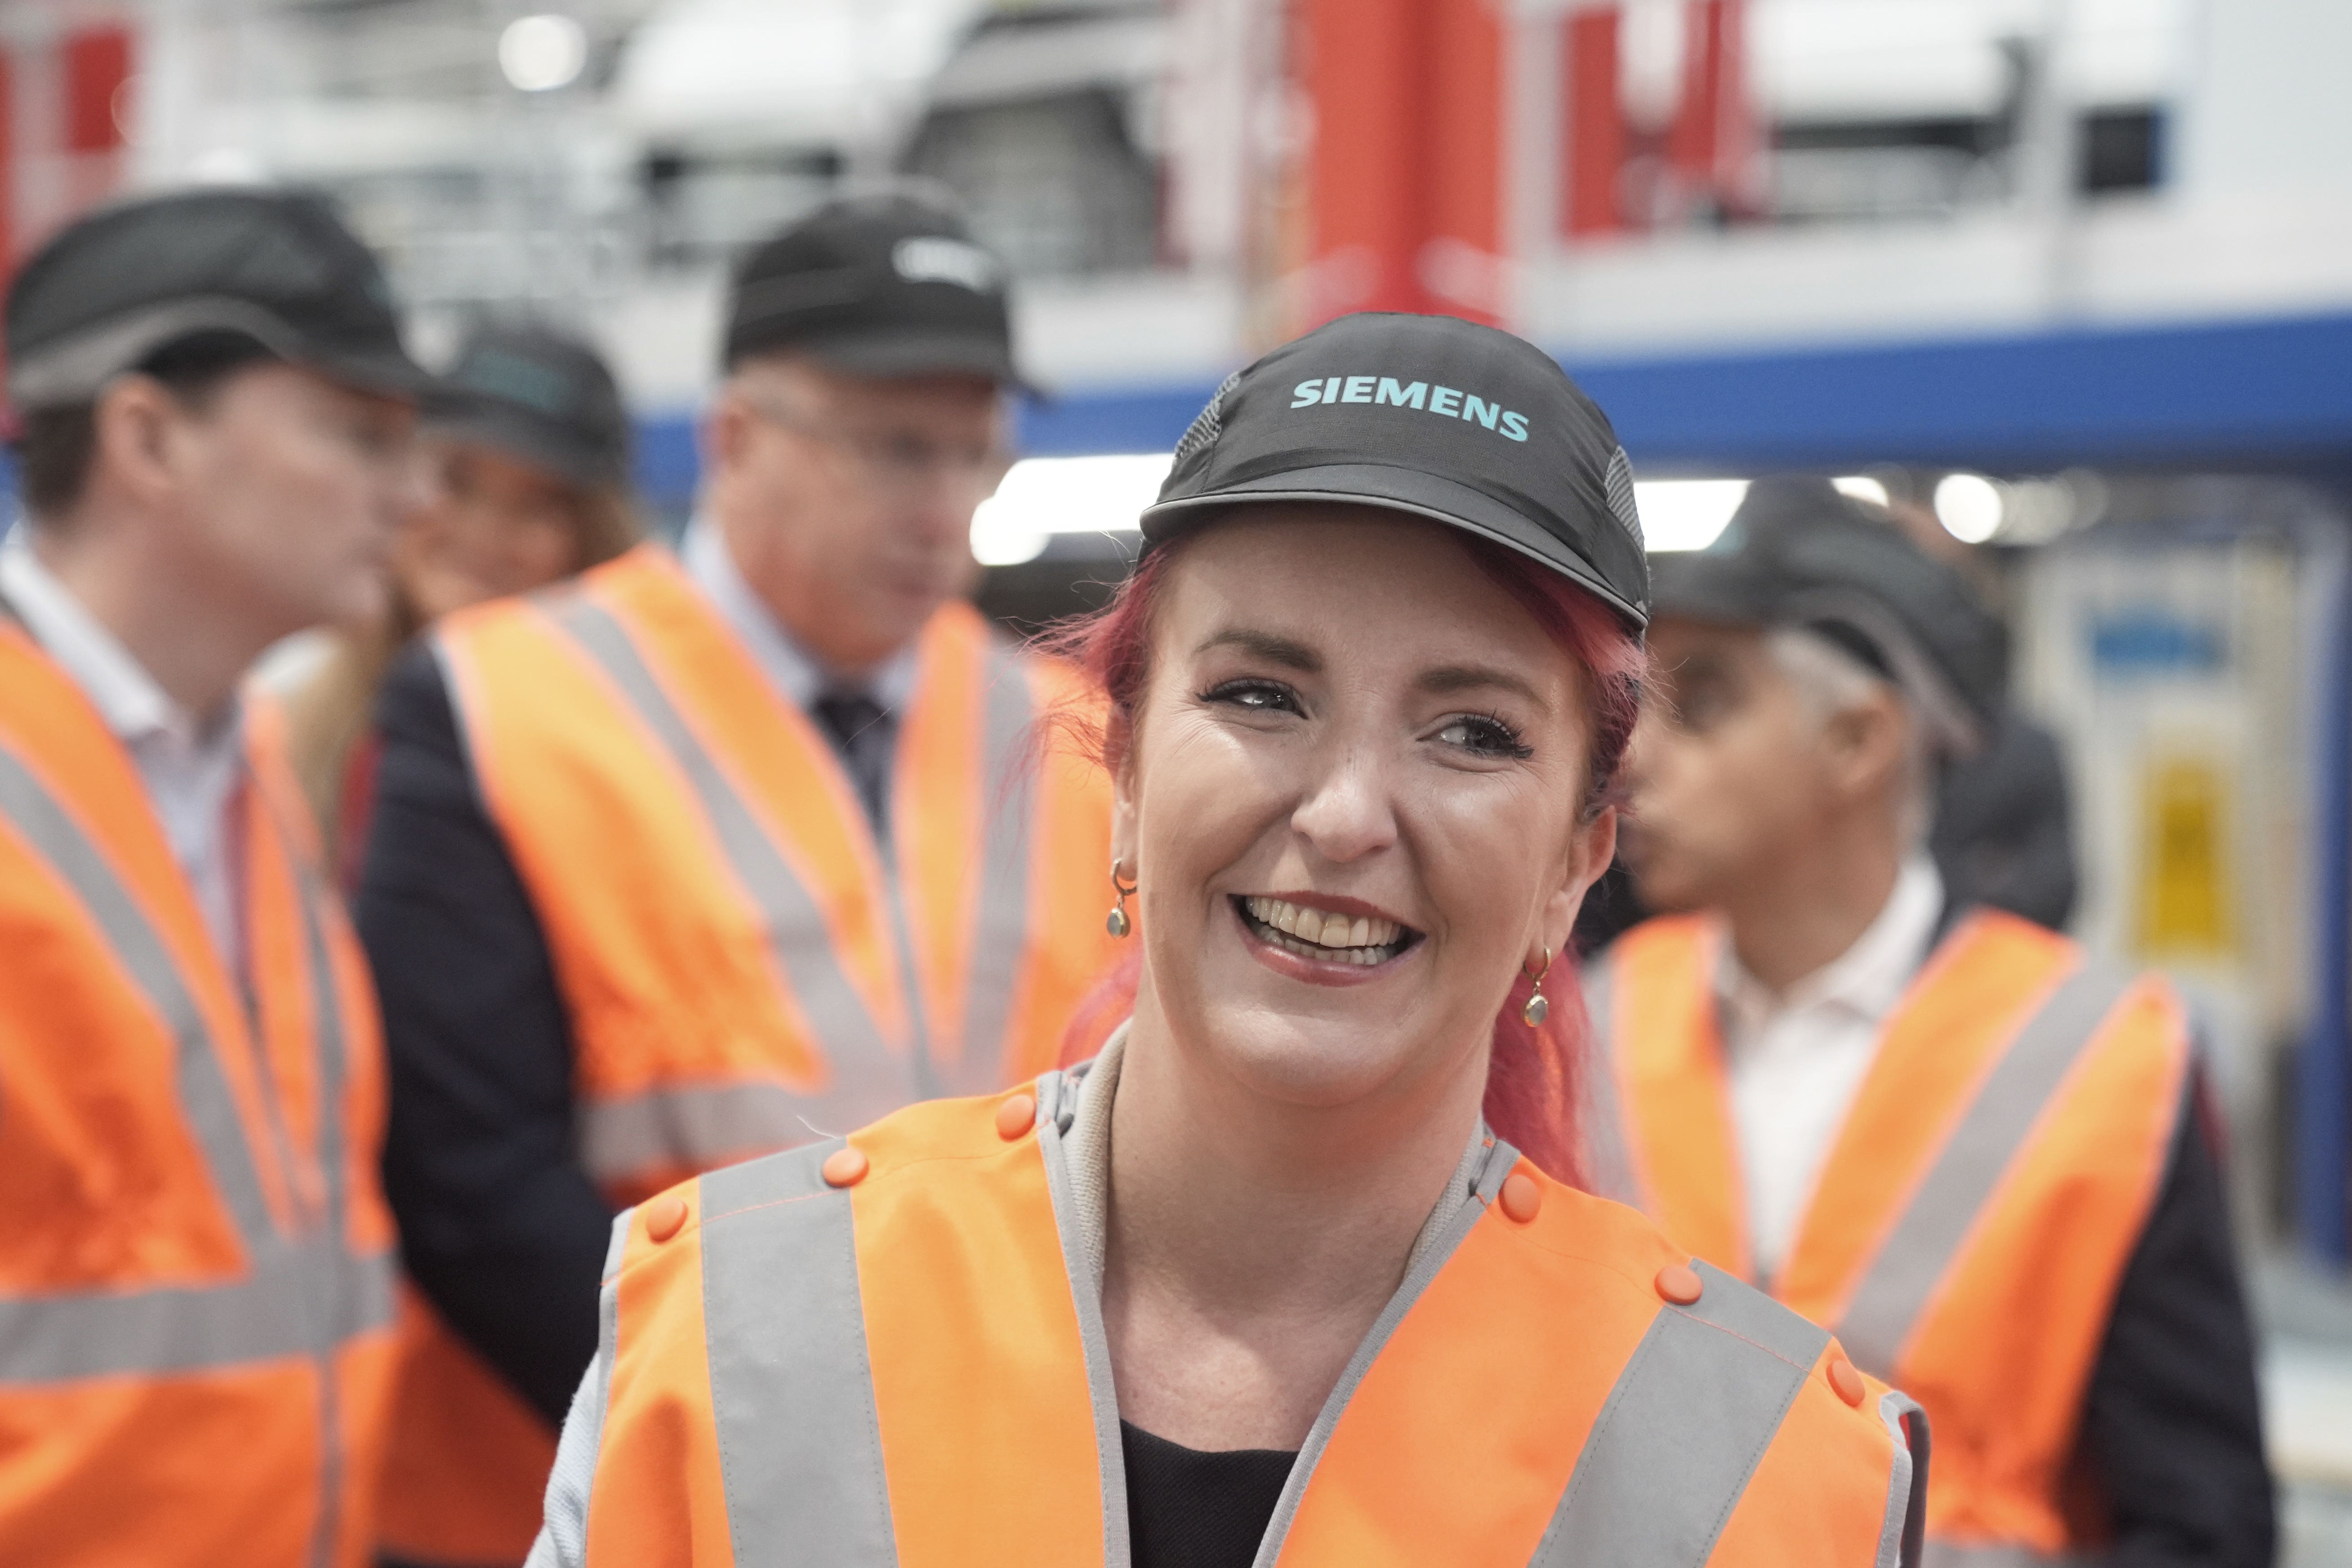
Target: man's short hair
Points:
(56, 446)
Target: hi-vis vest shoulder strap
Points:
(197, 1262)
(741, 961)
(912, 1372)
(1975, 1213)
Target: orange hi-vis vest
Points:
(744, 966)
(911, 1371)
(1974, 1216)
(196, 1264)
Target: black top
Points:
(1190, 1509)
(502, 1228)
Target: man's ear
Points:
(132, 424)
(1866, 744)
(724, 429)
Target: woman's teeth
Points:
(1317, 933)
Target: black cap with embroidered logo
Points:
(108, 292)
(538, 394)
(1427, 414)
(890, 285)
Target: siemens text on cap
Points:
(1446, 400)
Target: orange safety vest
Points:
(196, 1265)
(912, 1372)
(741, 963)
(1974, 1216)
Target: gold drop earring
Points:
(1119, 924)
(1539, 1006)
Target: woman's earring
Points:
(1539, 1006)
(1119, 924)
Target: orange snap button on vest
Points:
(1016, 1116)
(844, 1168)
(1845, 1380)
(665, 1217)
(1520, 1197)
(1680, 1283)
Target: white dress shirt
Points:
(799, 674)
(1798, 1058)
(192, 770)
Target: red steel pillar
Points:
(1593, 130)
(1405, 171)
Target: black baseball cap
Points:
(278, 267)
(887, 285)
(1427, 414)
(538, 394)
(1800, 552)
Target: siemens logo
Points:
(1446, 400)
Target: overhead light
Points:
(540, 53)
(1686, 514)
(1970, 507)
(1042, 497)
(1861, 486)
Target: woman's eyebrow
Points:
(1274, 650)
(1449, 679)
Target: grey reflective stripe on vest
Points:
(791, 1392)
(1607, 1147)
(1920, 1250)
(1500, 1159)
(1907, 1488)
(204, 1096)
(1692, 1412)
(1000, 933)
(1944, 1555)
(277, 1309)
(796, 927)
(298, 1297)
(1057, 1108)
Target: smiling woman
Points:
(1293, 1270)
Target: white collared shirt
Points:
(192, 771)
(799, 674)
(1797, 1059)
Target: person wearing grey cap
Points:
(526, 443)
(1982, 1155)
(196, 1283)
(714, 850)
(1295, 1268)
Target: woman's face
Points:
(1352, 803)
(496, 526)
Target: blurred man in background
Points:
(527, 444)
(1980, 1155)
(721, 850)
(196, 1269)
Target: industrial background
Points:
(2066, 283)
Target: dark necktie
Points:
(863, 732)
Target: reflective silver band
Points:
(1907, 1488)
(1692, 1412)
(291, 1299)
(695, 1126)
(1609, 1169)
(1944, 1555)
(797, 933)
(999, 934)
(1057, 1094)
(1443, 1243)
(1927, 1239)
(791, 1392)
(204, 1091)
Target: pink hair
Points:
(1533, 1073)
